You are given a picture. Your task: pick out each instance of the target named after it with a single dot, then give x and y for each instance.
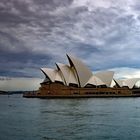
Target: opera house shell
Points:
(77, 80)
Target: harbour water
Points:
(69, 119)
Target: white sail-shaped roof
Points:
(119, 82)
(67, 73)
(78, 73)
(50, 73)
(58, 77)
(72, 77)
(127, 82)
(106, 77)
(82, 71)
(131, 82)
(95, 81)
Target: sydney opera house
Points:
(77, 80)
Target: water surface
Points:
(69, 119)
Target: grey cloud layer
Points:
(105, 34)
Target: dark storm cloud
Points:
(9, 18)
(16, 63)
(38, 33)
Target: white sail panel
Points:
(106, 77)
(95, 81)
(82, 71)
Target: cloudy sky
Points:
(105, 34)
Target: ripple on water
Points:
(83, 119)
